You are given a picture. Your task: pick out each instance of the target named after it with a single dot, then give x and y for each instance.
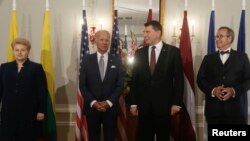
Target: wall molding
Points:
(65, 108)
(71, 110)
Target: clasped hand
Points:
(40, 116)
(223, 93)
(101, 106)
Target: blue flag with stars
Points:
(211, 38)
(115, 43)
(241, 47)
(241, 38)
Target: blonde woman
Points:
(23, 93)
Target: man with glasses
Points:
(224, 76)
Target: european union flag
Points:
(241, 38)
(211, 38)
(241, 46)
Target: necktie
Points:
(152, 60)
(224, 52)
(101, 67)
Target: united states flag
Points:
(115, 50)
(115, 44)
(81, 122)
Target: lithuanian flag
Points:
(13, 33)
(46, 61)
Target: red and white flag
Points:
(183, 124)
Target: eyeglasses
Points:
(221, 36)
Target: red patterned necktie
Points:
(152, 60)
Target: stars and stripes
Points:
(84, 39)
(115, 43)
(81, 121)
(116, 51)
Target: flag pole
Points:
(116, 5)
(186, 3)
(213, 5)
(243, 4)
(14, 5)
(125, 30)
(150, 4)
(47, 5)
(83, 4)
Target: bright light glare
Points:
(174, 23)
(130, 60)
(193, 23)
(81, 22)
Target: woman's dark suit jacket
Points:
(23, 95)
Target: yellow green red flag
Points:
(46, 61)
(12, 35)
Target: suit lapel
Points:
(230, 58)
(109, 63)
(231, 55)
(161, 61)
(218, 58)
(96, 66)
(146, 57)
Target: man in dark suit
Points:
(101, 83)
(224, 76)
(157, 85)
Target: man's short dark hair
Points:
(155, 24)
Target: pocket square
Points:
(113, 66)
